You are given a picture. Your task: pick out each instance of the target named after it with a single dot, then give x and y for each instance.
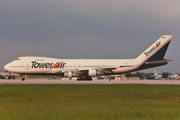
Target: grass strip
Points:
(97, 102)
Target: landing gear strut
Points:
(84, 78)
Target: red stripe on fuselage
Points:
(23, 72)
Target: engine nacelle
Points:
(75, 74)
(68, 74)
(92, 73)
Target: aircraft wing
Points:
(108, 69)
(111, 68)
(100, 69)
(79, 71)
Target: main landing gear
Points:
(22, 77)
(84, 78)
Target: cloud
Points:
(37, 20)
(106, 8)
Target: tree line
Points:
(142, 75)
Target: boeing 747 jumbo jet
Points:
(84, 69)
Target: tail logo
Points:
(59, 65)
(158, 44)
(153, 49)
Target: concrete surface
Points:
(47, 81)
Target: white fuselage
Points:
(30, 65)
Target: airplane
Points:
(157, 76)
(85, 69)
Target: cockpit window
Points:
(17, 59)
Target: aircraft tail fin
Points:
(155, 73)
(157, 50)
(154, 55)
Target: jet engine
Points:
(68, 74)
(92, 73)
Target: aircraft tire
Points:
(84, 78)
(23, 79)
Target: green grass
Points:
(90, 102)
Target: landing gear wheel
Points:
(84, 78)
(23, 79)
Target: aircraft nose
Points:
(6, 67)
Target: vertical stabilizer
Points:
(155, 73)
(157, 50)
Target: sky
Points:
(88, 29)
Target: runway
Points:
(48, 81)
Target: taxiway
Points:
(48, 81)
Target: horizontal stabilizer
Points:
(158, 62)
